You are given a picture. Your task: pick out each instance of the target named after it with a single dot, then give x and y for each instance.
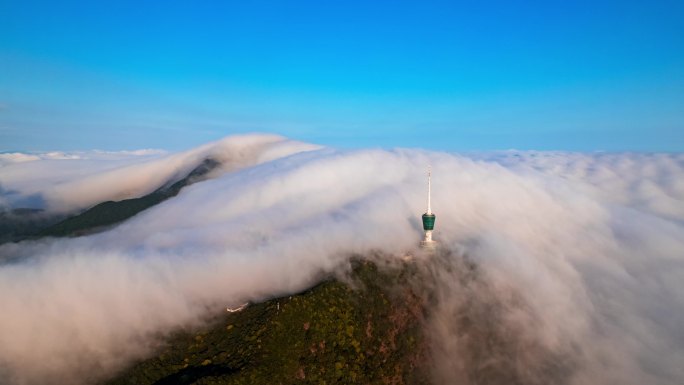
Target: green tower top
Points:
(428, 222)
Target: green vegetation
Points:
(365, 330)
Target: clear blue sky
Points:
(448, 75)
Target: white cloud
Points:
(596, 260)
(649, 182)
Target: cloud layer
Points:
(582, 255)
(66, 182)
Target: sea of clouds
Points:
(581, 256)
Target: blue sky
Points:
(446, 75)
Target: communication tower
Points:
(428, 219)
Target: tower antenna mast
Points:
(429, 208)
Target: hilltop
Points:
(364, 328)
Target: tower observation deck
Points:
(428, 219)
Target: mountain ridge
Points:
(21, 224)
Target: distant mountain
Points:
(109, 213)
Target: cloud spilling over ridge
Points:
(65, 182)
(600, 277)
